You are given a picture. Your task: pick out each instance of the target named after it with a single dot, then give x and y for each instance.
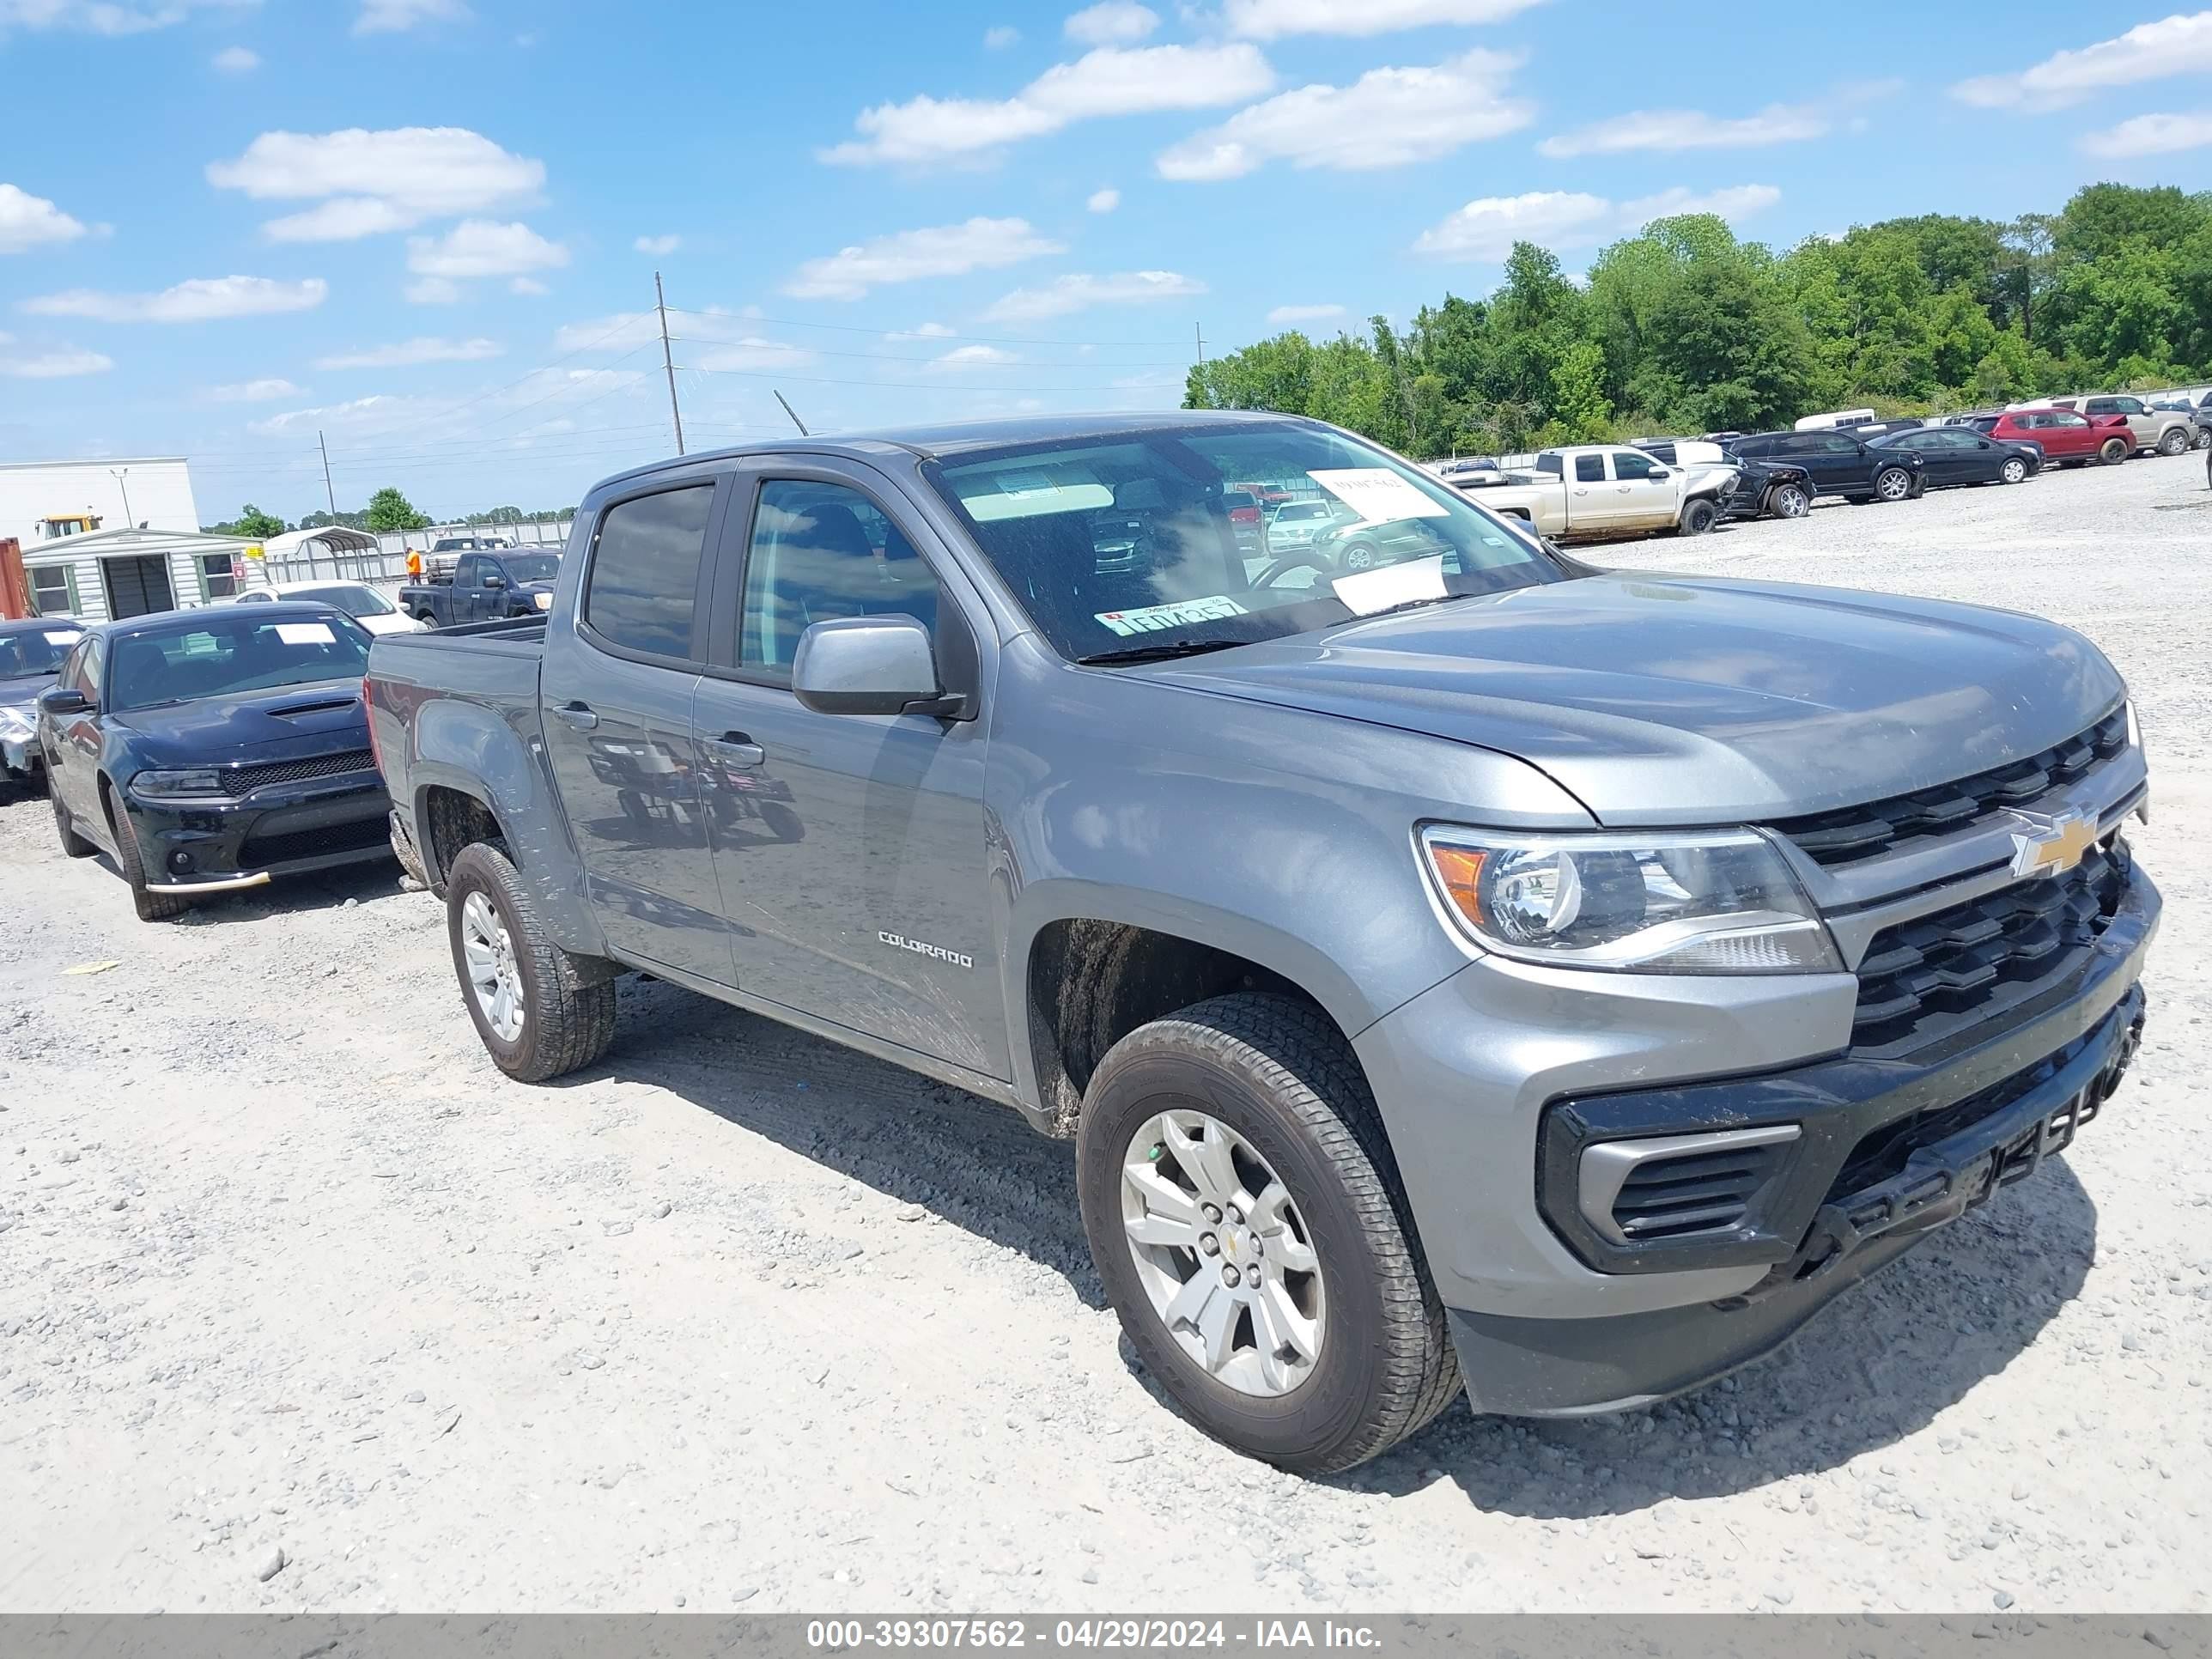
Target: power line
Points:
(910, 334)
(909, 385)
(901, 357)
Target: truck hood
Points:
(285, 723)
(1679, 700)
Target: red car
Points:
(2067, 439)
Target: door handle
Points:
(738, 748)
(578, 716)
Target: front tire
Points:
(1698, 517)
(535, 1021)
(2172, 441)
(151, 906)
(2202, 438)
(1239, 1137)
(1893, 484)
(1358, 556)
(1790, 501)
(2013, 470)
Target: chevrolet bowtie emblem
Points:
(2050, 846)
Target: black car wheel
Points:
(536, 1019)
(1245, 1217)
(1893, 484)
(151, 906)
(2173, 441)
(2013, 470)
(1698, 517)
(73, 845)
(2204, 438)
(2112, 451)
(1788, 501)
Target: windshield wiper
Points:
(1160, 651)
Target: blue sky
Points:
(428, 228)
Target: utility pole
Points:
(329, 489)
(122, 477)
(787, 410)
(1199, 331)
(660, 302)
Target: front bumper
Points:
(21, 756)
(279, 830)
(1553, 1320)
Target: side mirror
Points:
(870, 666)
(1656, 473)
(63, 700)
(494, 582)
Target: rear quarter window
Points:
(643, 584)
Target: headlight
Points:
(161, 785)
(15, 723)
(545, 601)
(1704, 902)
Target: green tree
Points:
(389, 510)
(252, 523)
(2098, 218)
(1579, 405)
(1272, 375)
(1727, 350)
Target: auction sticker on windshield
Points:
(1152, 618)
(306, 634)
(1377, 494)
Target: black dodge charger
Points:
(210, 750)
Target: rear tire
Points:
(562, 1025)
(1278, 1077)
(150, 907)
(2112, 451)
(1698, 517)
(73, 845)
(1893, 484)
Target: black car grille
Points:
(262, 851)
(244, 779)
(1882, 827)
(1697, 1193)
(1923, 979)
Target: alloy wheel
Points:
(1222, 1253)
(494, 979)
(2013, 470)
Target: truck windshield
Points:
(1196, 576)
(223, 656)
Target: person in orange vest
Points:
(414, 565)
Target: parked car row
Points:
(1433, 1006)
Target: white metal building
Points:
(108, 574)
(88, 554)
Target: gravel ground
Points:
(303, 1306)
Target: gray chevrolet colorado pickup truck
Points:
(1477, 969)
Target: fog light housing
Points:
(180, 862)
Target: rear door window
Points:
(641, 592)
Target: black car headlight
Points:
(1661, 902)
(195, 782)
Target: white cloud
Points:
(253, 391)
(937, 251)
(395, 16)
(751, 354)
(424, 349)
(2150, 134)
(477, 248)
(998, 39)
(627, 329)
(1109, 80)
(1076, 292)
(1111, 23)
(432, 291)
(1690, 129)
(372, 182)
(1264, 19)
(1483, 231)
(51, 364)
(106, 16)
(1387, 118)
(2180, 45)
(1102, 201)
(26, 220)
(974, 356)
(656, 246)
(237, 60)
(1285, 314)
(204, 299)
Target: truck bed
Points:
(491, 662)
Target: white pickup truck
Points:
(1592, 491)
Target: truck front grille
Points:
(1923, 978)
(239, 780)
(1853, 833)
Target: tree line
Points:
(388, 510)
(1683, 328)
